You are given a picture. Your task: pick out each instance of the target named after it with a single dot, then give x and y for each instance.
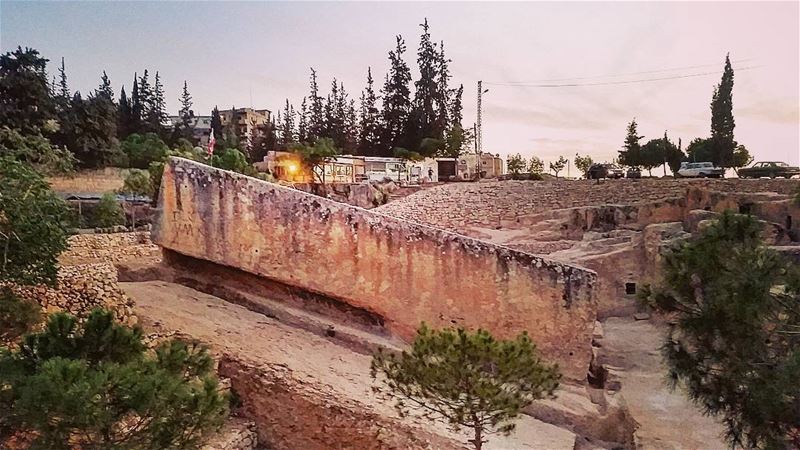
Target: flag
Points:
(211, 142)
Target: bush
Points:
(17, 315)
(94, 387)
(144, 149)
(33, 223)
(108, 212)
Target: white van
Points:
(700, 169)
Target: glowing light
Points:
(292, 168)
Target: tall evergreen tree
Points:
(94, 136)
(316, 120)
(25, 101)
(146, 102)
(722, 123)
(396, 100)
(422, 121)
(186, 105)
(443, 92)
(63, 88)
(302, 122)
(216, 123)
(287, 126)
(124, 115)
(369, 128)
(157, 114)
(105, 90)
(137, 108)
(351, 129)
(456, 136)
(632, 150)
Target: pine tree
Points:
(722, 123)
(316, 121)
(186, 105)
(94, 135)
(631, 154)
(105, 90)
(396, 100)
(25, 100)
(369, 128)
(302, 122)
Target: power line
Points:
(609, 83)
(550, 80)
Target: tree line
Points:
(388, 122)
(720, 148)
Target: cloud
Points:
(775, 110)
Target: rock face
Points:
(402, 272)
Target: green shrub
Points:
(32, 225)
(17, 315)
(95, 387)
(108, 212)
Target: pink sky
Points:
(231, 52)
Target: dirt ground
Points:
(668, 420)
(324, 367)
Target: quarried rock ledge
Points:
(401, 271)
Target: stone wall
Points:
(400, 271)
(82, 288)
(94, 181)
(111, 247)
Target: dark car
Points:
(770, 169)
(604, 170)
(633, 172)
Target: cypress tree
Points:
(137, 108)
(63, 92)
(157, 114)
(146, 102)
(422, 121)
(124, 115)
(369, 128)
(216, 123)
(287, 126)
(396, 100)
(722, 123)
(443, 92)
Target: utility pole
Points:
(478, 130)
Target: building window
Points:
(630, 288)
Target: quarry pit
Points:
(294, 291)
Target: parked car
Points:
(770, 169)
(604, 170)
(700, 169)
(633, 172)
